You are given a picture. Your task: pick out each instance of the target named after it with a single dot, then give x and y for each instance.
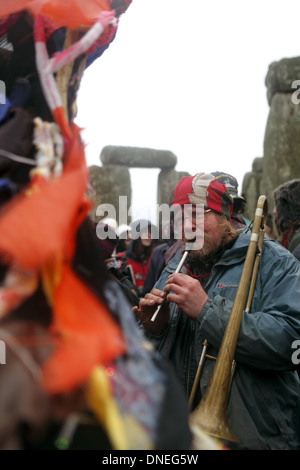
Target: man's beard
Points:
(212, 246)
(208, 251)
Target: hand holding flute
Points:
(147, 307)
(151, 300)
(180, 264)
(180, 288)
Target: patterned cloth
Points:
(203, 189)
(64, 319)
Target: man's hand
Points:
(187, 293)
(147, 308)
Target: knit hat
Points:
(287, 202)
(204, 188)
(230, 183)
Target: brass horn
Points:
(211, 413)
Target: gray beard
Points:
(207, 252)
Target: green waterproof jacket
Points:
(264, 406)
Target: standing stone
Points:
(167, 180)
(112, 180)
(281, 161)
(282, 136)
(253, 187)
(108, 183)
(282, 143)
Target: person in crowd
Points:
(239, 201)
(106, 231)
(124, 238)
(264, 402)
(269, 227)
(76, 373)
(287, 215)
(170, 249)
(138, 254)
(158, 258)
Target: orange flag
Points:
(69, 13)
(86, 335)
(43, 219)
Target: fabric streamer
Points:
(73, 321)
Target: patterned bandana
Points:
(203, 188)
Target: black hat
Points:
(230, 183)
(287, 202)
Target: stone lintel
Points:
(137, 157)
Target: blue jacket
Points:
(264, 406)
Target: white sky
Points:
(187, 76)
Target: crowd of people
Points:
(103, 332)
(196, 303)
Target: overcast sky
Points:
(187, 76)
